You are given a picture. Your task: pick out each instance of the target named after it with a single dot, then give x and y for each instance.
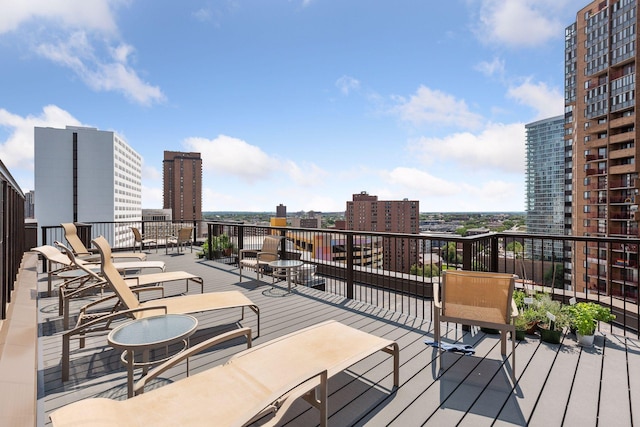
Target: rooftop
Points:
(556, 384)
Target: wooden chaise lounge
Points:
(184, 304)
(254, 383)
(58, 264)
(81, 251)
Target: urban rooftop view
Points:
(223, 213)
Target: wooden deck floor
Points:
(556, 384)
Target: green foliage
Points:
(542, 305)
(548, 278)
(585, 315)
(515, 247)
(430, 270)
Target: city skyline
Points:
(296, 102)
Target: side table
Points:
(285, 268)
(143, 335)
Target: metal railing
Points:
(398, 271)
(12, 235)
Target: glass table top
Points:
(153, 330)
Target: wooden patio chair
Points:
(480, 299)
(180, 240)
(257, 260)
(131, 307)
(261, 381)
(141, 239)
(81, 251)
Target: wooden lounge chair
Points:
(81, 251)
(480, 299)
(97, 282)
(62, 266)
(254, 383)
(140, 239)
(258, 260)
(132, 307)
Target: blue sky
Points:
(300, 102)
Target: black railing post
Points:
(349, 275)
(493, 255)
(466, 254)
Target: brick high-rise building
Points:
(602, 127)
(182, 184)
(366, 213)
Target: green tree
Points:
(430, 270)
(554, 276)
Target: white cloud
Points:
(226, 155)
(305, 175)
(347, 84)
(493, 68)
(520, 23)
(431, 106)
(70, 32)
(112, 73)
(421, 182)
(17, 150)
(95, 14)
(498, 147)
(546, 101)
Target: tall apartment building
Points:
(602, 126)
(85, 174)
(182, 184)
(545, 183)
(29, 204)
(366, 213)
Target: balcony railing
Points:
(398, 271)
(12, 235)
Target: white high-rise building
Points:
(87, 175)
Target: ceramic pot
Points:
(585, 340)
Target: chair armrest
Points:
(108, 318)
(84, 308)
(436, 295)
(243, 252)
(514, 309)
(148, 288)
(192, 351)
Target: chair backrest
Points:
(53, 255)
(136, 234)
(477, 289)
(112, 275)
(270, 248)
(71, 234)
(184, 234)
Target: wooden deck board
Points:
(469, 390)
(614, 405)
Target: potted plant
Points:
(553, 319)
(521, 325)
(223, 244)
(584, 317)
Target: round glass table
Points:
(285, 269)
(143, 335)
